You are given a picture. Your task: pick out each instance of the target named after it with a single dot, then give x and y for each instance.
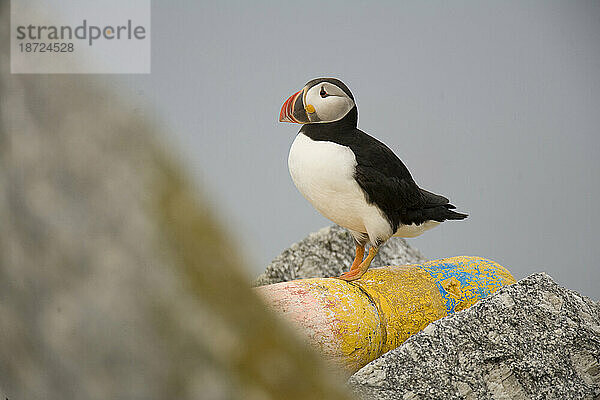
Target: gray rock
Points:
(530, 340)
(329, 252)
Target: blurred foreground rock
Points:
(530, 340)
(329, 252)
(115, 280)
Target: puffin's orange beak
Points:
(293, 109)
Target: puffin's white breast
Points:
(324, 173)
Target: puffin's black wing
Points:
(388, 184)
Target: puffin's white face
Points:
(325, 102)
(320, 101)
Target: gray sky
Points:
(494, 104)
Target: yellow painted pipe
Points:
(352, 323)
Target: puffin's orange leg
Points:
(356, 273)
(360, 253)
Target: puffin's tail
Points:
(441, 213)
(451, 214)
(438, 208)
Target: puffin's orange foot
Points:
(352, 275)
(357, 271)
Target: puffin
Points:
(352, 178)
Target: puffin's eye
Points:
(323, 93)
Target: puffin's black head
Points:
(321, 100)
